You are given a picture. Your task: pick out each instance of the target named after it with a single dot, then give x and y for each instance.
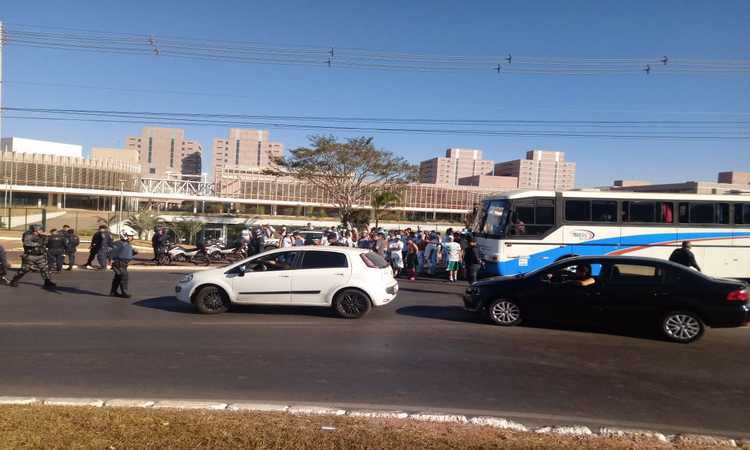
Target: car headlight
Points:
(187, 278)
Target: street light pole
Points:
(122, 197)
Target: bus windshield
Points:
(491, 219)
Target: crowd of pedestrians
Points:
(409, 252)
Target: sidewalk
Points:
(17, 221)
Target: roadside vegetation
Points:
(119, 428)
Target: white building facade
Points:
(37, 147)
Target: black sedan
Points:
(641, 291)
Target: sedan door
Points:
(266, 279)
(319, 272)
(633, 291)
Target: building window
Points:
(150, 149)
(152, 171)
(237, 152)
(171, 153)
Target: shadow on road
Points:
(171, 304)
(451, 313)
(74, 290)
(166, 303)
(458, 314)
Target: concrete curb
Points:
(424, 416)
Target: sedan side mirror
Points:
(241, 270)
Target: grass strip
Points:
(41, 427)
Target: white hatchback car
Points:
(350, 280)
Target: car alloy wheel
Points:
(682, 327)
(351, 304)
(211, 300)
(505, 312)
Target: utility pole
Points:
(2, 42)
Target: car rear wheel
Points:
(351, 304)
(504, 312)
(211, 300)
(682, 326)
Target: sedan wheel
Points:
(504, 312)
(351, 304)
(211, 300)
(682, 326)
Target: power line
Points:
(508, 128)
(335, 57)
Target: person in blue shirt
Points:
(122, 253)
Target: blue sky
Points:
(690, 29)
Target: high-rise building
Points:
(543, 170)
(734, 177)
(247, 148)
(128, 155)
(458, 163)
(163, 152)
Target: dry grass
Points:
(104, 428)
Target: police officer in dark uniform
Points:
(56, 244)
(122, 253)
(71, 246)
(34, 257)
(3, 266)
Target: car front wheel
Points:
(351, 304)
(682, 326)
(211, 300)
(504, 312)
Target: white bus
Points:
(521, 231)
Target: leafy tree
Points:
(188, 230)
(381, 201)
(107, 220)
(347, 173)
(142, 222)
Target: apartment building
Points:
(165, 152)
(246, 148)
(734, 177)
(542, 170)
(127, 155)
(458, 163)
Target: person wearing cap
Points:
(684, 256)
(122, 253)
(34, 257)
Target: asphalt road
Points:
(423, 351)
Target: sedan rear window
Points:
(323, 260)
(635, 274)
(374, 260)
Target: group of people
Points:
(47, 252)
(425, 252)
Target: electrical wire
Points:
(332, 57)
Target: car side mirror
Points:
(241, 269)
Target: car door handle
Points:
(339, 274)
(283, 276)
(660, 294)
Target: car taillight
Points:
(367, 261)
(739, 295)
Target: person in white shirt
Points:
(287, 241)
(453, 254)
(395, 249)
